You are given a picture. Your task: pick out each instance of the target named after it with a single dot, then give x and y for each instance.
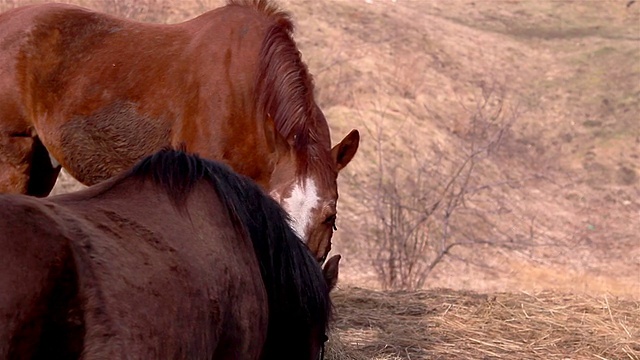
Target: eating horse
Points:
(94, 93)
(177, 258)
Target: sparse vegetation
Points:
(421, 206)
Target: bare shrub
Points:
(424, 202)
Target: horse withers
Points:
(178, 258)
(94, 93)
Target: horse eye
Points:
(331, 220)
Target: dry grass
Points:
(447, 324)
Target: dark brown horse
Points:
(95, 94)
(177, 258)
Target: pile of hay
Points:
(448, 324)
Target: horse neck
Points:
(297, 293)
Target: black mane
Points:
(298, 294)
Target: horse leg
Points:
(43, 173)
(15, 162)
(25, 166)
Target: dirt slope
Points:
(570, 71)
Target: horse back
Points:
(185, 284)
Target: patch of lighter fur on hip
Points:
(304, 198)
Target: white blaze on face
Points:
(304, 198)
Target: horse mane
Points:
(297, 291)
(284, 88)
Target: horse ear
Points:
(346, 149)
(330, 271)
(275, 141)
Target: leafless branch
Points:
(420, 209)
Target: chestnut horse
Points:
(95, 93)
(179, 257)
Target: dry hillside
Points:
(568, 74)
(563, 185)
